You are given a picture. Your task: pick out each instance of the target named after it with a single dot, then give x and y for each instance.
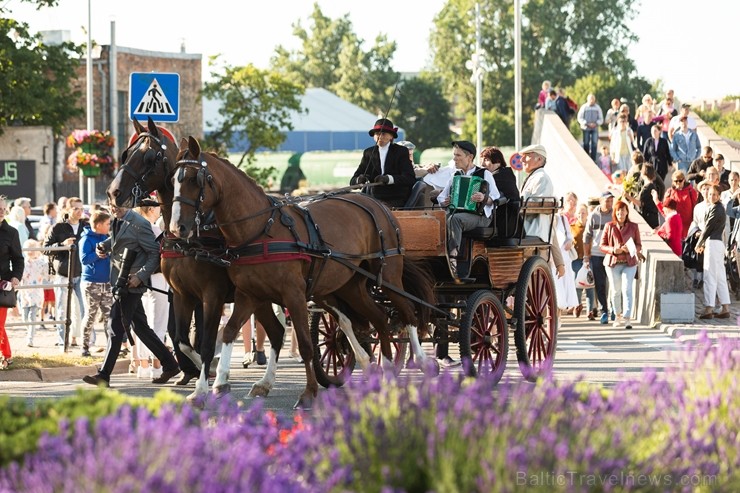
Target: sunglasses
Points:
(678, 180)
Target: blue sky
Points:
(687, 44)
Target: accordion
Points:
(461, 191)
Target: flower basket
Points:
(93, 151)
(90, 170)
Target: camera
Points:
(120, 288)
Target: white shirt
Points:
(383, 151)
(492, 190)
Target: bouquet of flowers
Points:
(93, 151)
(629, 184)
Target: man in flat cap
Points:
(537, 184)
(387, 165)
(463, 153)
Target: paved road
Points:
(598, 353)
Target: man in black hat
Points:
(387, 165)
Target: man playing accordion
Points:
(460, 216)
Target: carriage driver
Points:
(387, 165)
(458, 222)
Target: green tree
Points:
(562, 41)
(331, 57)
(422, 111)
(35, 78)
(256, 109)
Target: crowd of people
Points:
(654, 163)
(682, 190)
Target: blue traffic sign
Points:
(155, 95)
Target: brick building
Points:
(111, 104)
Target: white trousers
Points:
(715, 277)
(157, 307)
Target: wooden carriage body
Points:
(502, 284)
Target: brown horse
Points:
(284, 253)
(146, 166)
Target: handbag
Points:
(8, 297)
(573, 254)
(691, 259)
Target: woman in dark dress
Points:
(506, 216)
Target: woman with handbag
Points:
(11, 271)
(623, 248)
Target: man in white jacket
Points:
(537, 184)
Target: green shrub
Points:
(22, 423)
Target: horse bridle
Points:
(139, 189)
(202, 178)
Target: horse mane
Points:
(227, 162)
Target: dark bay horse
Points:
(283, 253)
(146, 166)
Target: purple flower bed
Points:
(675, 431)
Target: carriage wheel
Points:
(333, 359)
(398, 349)
(536, 314)
(484, 336)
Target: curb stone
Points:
(57, 374)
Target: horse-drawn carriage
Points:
(507, 282)
(367, 277)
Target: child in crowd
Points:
(605, 162)
(31, 300)
(95, 277)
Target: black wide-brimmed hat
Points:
(384, 125)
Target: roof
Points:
(325, 112)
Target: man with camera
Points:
(134, 257)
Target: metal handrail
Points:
(69, 285)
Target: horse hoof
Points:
(258, 391)
(430, 367)
(197, 401)
(222, 390)
(374, 369)
(304, 403)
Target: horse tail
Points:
(418, 281)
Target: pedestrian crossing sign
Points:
(155, 95)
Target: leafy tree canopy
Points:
(332, 56)
(562, 41)
(35, 78)
(423, 111)
(255, 104)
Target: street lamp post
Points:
(518, 74)
(475, 64)
(89, 93)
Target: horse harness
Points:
(151, 159)
(314, 248)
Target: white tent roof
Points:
(325, 112)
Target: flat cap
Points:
(535, 149)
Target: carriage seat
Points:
(416, 199)
(488, 232)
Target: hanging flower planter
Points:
(93, 151)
